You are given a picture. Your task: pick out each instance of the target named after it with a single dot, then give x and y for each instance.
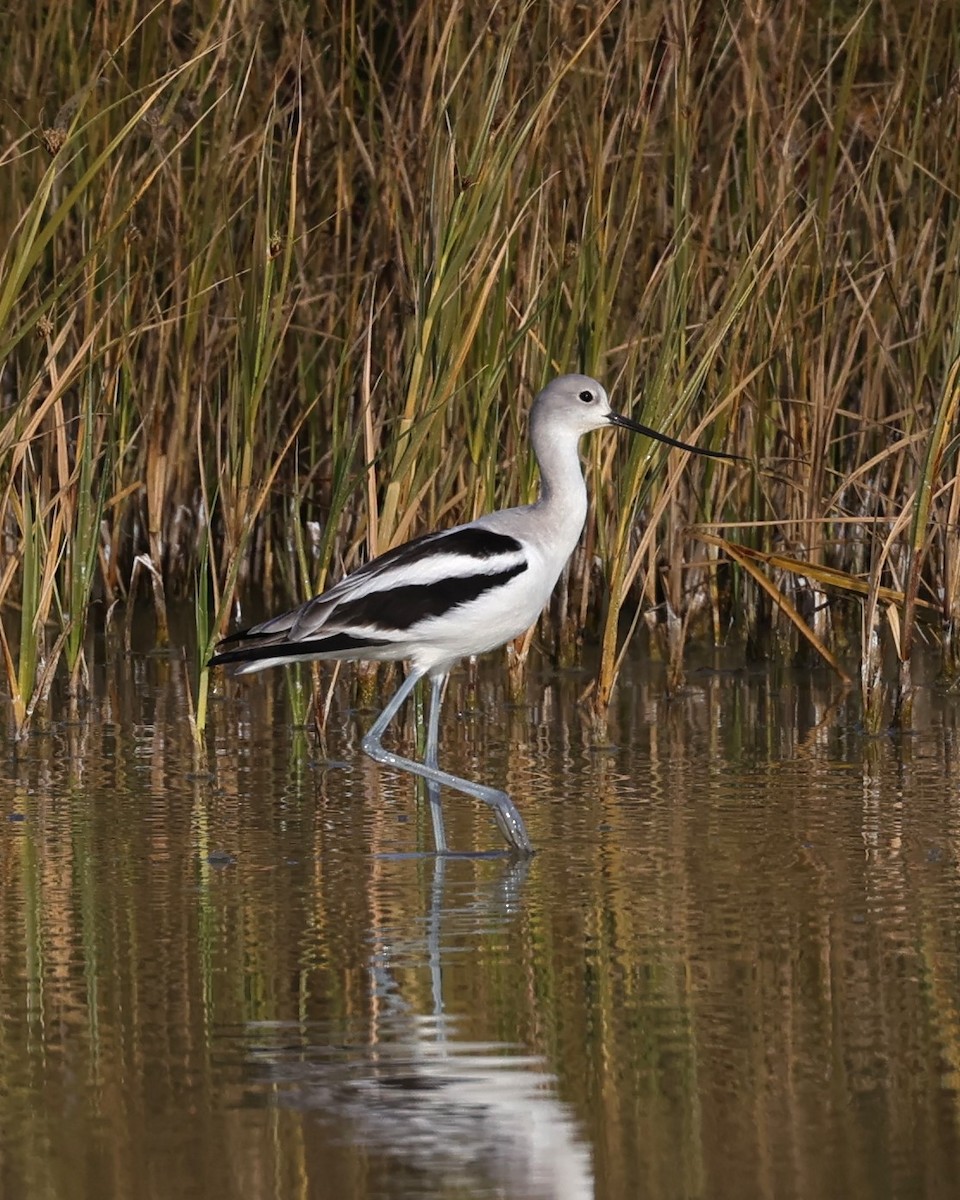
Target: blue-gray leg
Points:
(437, 685)
(507, 817)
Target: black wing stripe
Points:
(334, 643)
(468, 540)
(401, 608)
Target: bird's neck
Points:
(563, 494)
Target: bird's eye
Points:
(587, 397)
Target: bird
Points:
(454, 593)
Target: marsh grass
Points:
(275, 294)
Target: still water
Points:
(732, 969)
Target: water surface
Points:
(732, 969)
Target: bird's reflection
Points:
(475, 1116)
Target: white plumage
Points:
(459, 592)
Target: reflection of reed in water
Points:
(471, 1115)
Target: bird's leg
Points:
(508, 819)
(437, 685)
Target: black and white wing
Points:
(387, 605)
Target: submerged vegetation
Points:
(277, 283)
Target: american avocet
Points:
(458, 592)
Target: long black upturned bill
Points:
(636, 427)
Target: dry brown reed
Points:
(277, 283)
